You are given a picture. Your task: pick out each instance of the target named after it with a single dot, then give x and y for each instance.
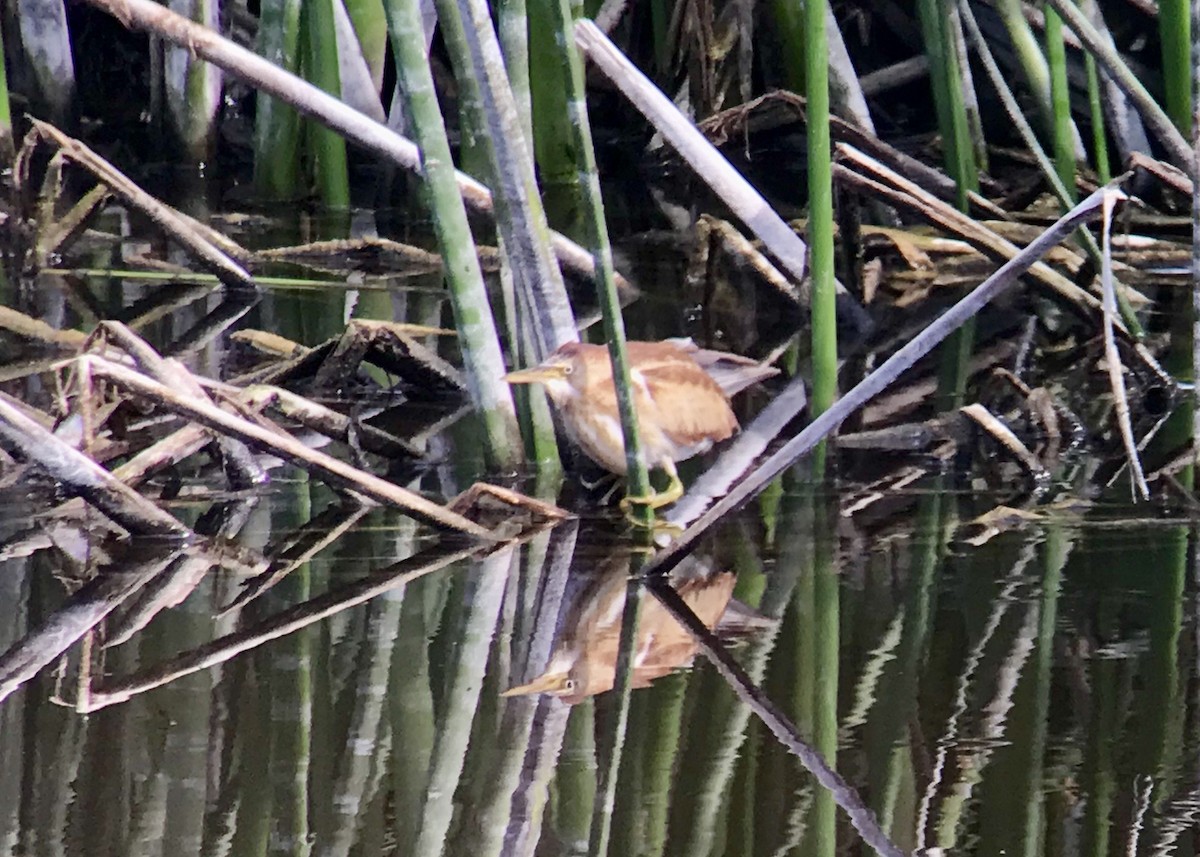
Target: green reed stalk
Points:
(277, 125)
(370, 25)
(479, 157)
(193, 87)
(1096, 43)
(520, 217)
(331, 172)
(7, 148)
(1174, 33)
(1096, 111)
(1195, 403)
(512, 28)
(789, 17)
(960, 163)
(1060, 101)
(1029, 54)
(820, 216)
(482, 356)
(571, 79)
(553, 140)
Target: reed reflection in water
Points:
(1028, 694)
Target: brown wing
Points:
(690, 406)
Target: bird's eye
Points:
(569, 685)
(568, 369)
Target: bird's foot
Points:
(655, 500)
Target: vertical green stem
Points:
(193, 87)
(6, 132)
(1096, 110)
(820, 217)
(1195, 349)
(332, 176)
(553, 142)
(1060, 100)
(638, 484)
(1174, 32)
(468, 294)
(960, 163)
(790, 19)
(277, 125)
(513, 31)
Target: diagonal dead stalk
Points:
(286, 446)
(85, 477)
(205, 252)
(880, 379)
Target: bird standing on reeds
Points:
(682, 411)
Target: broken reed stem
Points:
(909, 195)
(285, 446)
(165, 217)
(1116, 370)
(879, 380)
(80, 475)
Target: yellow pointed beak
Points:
(548, 683)
(535, 375)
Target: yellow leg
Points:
(658, 499)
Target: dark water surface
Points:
(1034, 695)
(1027, 690)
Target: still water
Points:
(1026, 688)
(1035, 694)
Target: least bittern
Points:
(682, 411)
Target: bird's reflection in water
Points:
(583, 662)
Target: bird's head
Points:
(561, 373)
